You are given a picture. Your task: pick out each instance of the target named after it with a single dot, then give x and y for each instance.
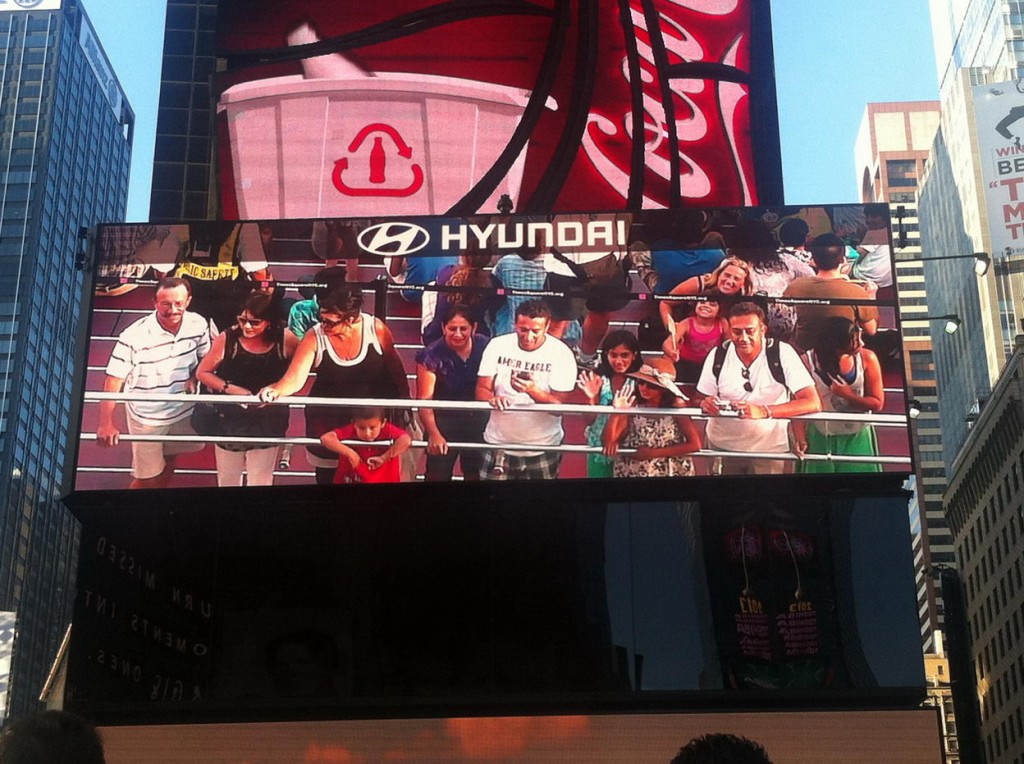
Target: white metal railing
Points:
(883, 420)
(301, 401)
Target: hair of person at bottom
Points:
(51, 737)
(369, 412)
(748, 308)
(456, 310)
(793, 233)
(721, 748)
(828, 251)
(173, 282)
(534, 309)
(346, 300)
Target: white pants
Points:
(258, 463)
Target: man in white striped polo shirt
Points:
(157, 354)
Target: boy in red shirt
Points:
(370, 463)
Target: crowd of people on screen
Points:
(753, 324)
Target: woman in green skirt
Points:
(848, 378)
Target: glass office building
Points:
(64, 160)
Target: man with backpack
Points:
(750, 387)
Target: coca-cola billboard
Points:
(331, 109)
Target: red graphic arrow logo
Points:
(378, 164)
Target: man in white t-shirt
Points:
(517, 371)
(753, 393)
(158, 353)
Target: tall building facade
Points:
(976, 43)
(954, 222)
(891, 153)
(182, 162)
(65, 150)
(936, 669)
(979, 46)
(984, 504)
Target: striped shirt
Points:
(152, 360)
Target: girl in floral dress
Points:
(662, 442)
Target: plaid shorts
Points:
(510, 465)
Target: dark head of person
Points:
(341, 305)
(748, 327)
(458, 324)
(533, 319)
(837, 337)
(455, 310)
(876, 216)
(828, 251)
(794, 233)
(172, 297)
(687, 227)
(261, 310)
(331, 277)
(721, 748)
(752, 242)
(748, 308)
(534, 309)
(51, 737)
(616, 339)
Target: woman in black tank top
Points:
(248, 356)
(354, 357)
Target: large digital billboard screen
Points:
(643, 346)
(282, 608)
(347, 109)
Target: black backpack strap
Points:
(720, 351)
(775, 364)
(772, 354)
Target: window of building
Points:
(901, 173)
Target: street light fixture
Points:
(951, 325)
(982, 260)
(952, 320)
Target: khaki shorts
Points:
(149, 458)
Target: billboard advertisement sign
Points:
(343, 109)
(600, 347)
(29, 5)
(100, 67)
(999, 111)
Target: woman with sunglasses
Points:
(252, 353)
(662, 442)
(354, 356)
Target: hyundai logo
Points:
(394, 239)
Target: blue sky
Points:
(831, 58)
